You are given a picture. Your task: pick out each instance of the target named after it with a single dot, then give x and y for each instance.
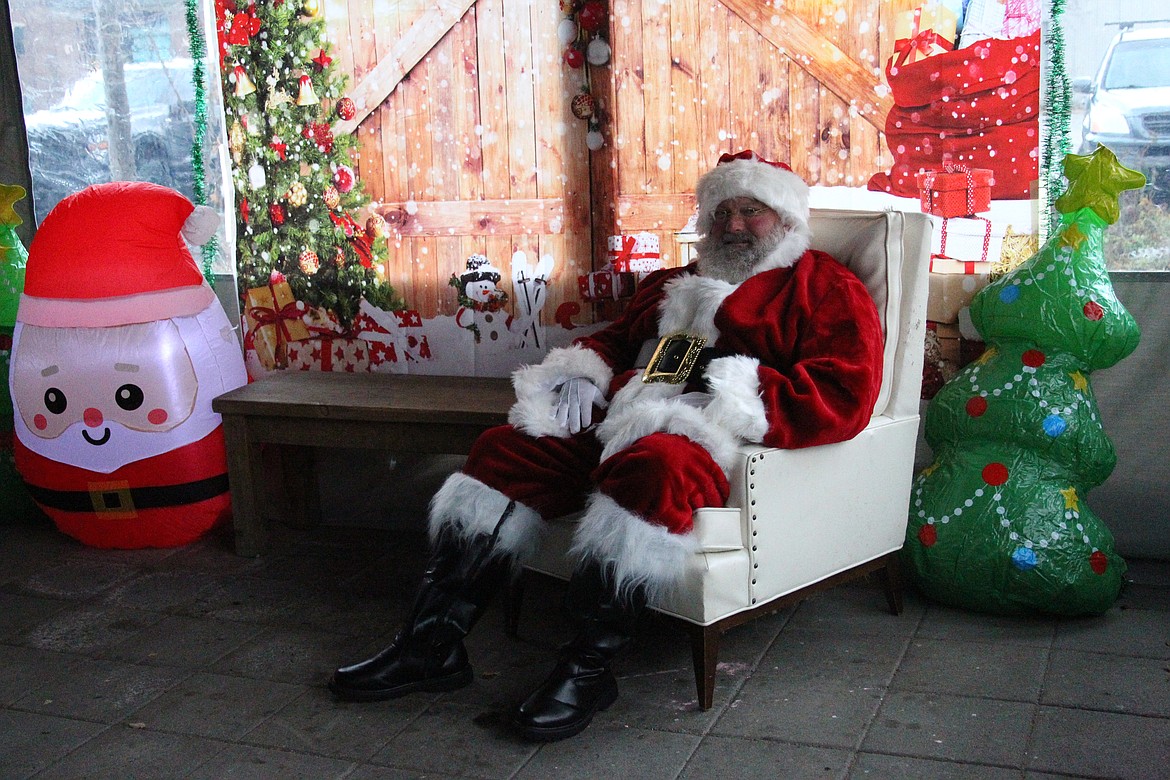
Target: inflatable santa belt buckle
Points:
(674, 359)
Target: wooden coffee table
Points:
(304, 410)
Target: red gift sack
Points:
(957, 191)
(978, 106)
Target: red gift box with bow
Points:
(956, 191)
(606, 284)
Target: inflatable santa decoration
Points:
(118, 349)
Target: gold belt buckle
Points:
(112, 500)
(674, 358)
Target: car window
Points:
(1138, 64)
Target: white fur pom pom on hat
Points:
(746, 174)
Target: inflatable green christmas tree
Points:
(998, 522)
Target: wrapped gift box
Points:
(949, 265)
(606, 284)
(982, 20)
(274, 320)
(948, 293)
(924, 32)
(955, 192)
(330, 353)
(639, 253)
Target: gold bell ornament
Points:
(306, 96)
(244, 84)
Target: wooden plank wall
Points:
(799, 81)
(476, 151)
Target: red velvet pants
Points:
(662, 478)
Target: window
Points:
(107, 101)
(1120, 67)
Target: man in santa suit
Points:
(762, 340)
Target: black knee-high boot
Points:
(582, 682)
(427, 654)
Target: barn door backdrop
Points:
(508, 228)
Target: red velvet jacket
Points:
(813, 328)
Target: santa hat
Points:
(114, 254)
(746, 174)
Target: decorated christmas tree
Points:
(998, 522)
(299, 206)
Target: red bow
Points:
(748, 154)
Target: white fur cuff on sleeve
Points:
(536, 396)
(736, 405)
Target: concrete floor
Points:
(196, 663)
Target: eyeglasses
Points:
(747, 212)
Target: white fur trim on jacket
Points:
(736, 405)
(469, 508)
(536, 387)
(641, 553)
(630, 420)
(689, 304)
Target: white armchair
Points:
(801, 520)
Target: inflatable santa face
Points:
(118, 349)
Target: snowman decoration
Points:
(481, 302)
(119, 347)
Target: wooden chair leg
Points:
(705, 656)
(891, 576)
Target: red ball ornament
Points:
(976, 406)
(574, 58)
(276, 214)
(928, 535)
(592, 16)
(1098, 562)
(995, 474)
(331, 196)
(1033, 358)
(344, 178)
(583, 105)
(346, 108)
(309, 262)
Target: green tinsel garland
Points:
(198, 54)
(1057, 111)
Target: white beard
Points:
(779, 249)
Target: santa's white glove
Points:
(575, 406)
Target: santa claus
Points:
(762, 340)
(119, 347)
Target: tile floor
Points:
(196, 663)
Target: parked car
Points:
(69, 143)
(1129, 105)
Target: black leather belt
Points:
(119, 497)
(678, 359)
